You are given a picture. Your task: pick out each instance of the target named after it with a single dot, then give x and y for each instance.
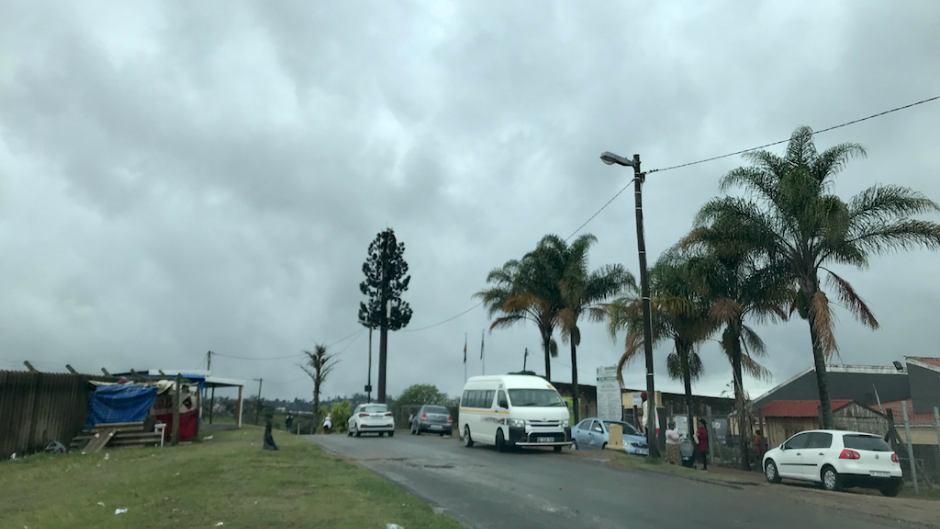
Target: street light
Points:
(610, 158)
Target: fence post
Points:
(910, 447)
(176, 410)
(711, 434)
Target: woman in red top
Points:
(701, 446)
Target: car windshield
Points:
(628, 428)
(435, 409)
(866, 442)
(374, 409)
(535, 398)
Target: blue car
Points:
(592, 434)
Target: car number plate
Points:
(544, 439)
(435, 427)
(877, 474)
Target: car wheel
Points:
(574, 445)
(831, 480)
(604, 446)
(770, 472)
(500, 441)
(412, 429)
(348, 432)
(893, 489)
(391, 434)
(442, 434)
(557, 449)
(467, 440)
(358, 433)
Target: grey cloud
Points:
(181, 177)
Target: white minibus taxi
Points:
(513, 410)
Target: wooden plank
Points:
(138, 424)
(100, 440)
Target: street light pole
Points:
(638, 178)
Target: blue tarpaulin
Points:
(120, 403)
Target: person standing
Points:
(701, 444)
(327, 424)
(760, 448)
(289, 421)
(672, 444)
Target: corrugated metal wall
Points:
(38, 408)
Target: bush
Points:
(339, 414)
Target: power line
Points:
(598, 212)
(846, 124)
(358, 335)
(452, 318)
(344, 339)
(257, 357)
(713, 158)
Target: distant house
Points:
(783, 419)
(877, 388)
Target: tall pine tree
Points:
(386, 280)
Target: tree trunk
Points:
(547, 345)
(383, 359)
(738, 373)
(822, 381)
(316, 408)
(687, 380)
(574, 383)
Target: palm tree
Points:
(792, 219)
(318, 366)
(581, 292)
(679, 314)
(518, 295)
(738, 285)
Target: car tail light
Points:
(894, 458)
(424, 416)
(389, 414)
(849, 454)
(363, 414)
(450, 419)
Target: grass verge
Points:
(229, 479)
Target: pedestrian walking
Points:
(289, 421)
(701, 444)
(672, 444)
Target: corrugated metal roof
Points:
(925, 360)
(915, 419)
(799, 408)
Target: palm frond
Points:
(751, 367)
(504, 322)
(755, 345)
(852, 301)
(725, 310)
(632, 346)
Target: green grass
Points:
(229, 479)
(657, 465)
(925, 493)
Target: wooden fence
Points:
(38, 408)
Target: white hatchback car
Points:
(836, 459)
(368, 418)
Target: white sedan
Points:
(368, 418)
(836, 459)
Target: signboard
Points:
(608, 394)
(637, 400)
(682, 424)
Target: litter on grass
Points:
(393, 526)
(101, 503)
(120, 511)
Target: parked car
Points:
(513, 410)
(368, 418)
(593, 434)
(837, 460)
(431, 418)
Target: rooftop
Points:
(799, 408)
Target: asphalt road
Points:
(538, 488)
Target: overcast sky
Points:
(177, 177)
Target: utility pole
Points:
(638, 178)
(369, 376)
(525, 358)
(383, 332)
(258, 407)
(209, 361)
